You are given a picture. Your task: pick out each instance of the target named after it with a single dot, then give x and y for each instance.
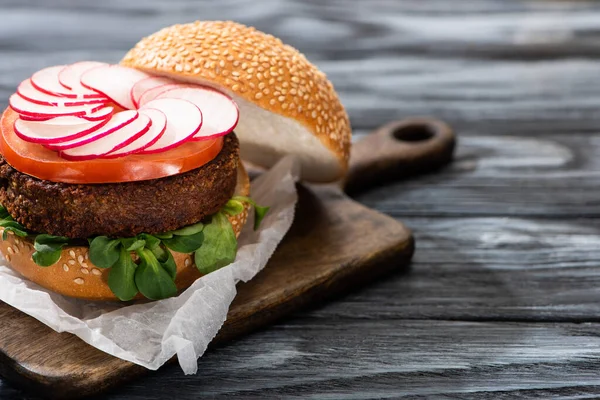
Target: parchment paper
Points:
(150, 334)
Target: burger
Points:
(122, 182)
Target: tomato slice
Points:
(35, 160)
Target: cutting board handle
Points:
(397, 150)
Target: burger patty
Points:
(120, 209)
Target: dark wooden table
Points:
(503, 298)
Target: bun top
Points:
(287, 106)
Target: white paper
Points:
(150, 334)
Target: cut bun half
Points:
(74, 275)
(287, 105)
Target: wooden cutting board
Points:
(335, 244)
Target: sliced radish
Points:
(29, 92)
(55, 130)
(152, 94)
(146, 84)
(118, 121)
(219, 112)
(103, 113)
(157, 129)
(70, 76)
(114, 141)
(26, 107)
(33, 118)
(46, 80)
(115, 82)
(184, 120)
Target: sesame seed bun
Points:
(75, 276)
(287, 106)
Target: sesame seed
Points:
(84, 271)
(79, 281)
(72, 253)
(65, 267)
(96, 272)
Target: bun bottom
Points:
(75, 276)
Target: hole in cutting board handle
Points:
(418, 132)
(397, 150)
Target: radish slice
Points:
(184, 120)
(114, 141)
(70, 76)
(219, 112)
(118, 121)
(103, 113)
(55, 130)
(114, 82)
(157, 129)
(153, 93)
(29, 92)
(33, 118)
(22, 106)
(146, 84)
(46, 80)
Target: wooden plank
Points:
(341, 358)
(488, 269)
(554, 176)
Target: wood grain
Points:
(508, 232)
(394, 358)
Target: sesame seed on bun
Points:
(287, 105)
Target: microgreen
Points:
(259, 211)
(48, 249)
(121, 276)
(220, 245)
(152, 278)
(104, 252)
